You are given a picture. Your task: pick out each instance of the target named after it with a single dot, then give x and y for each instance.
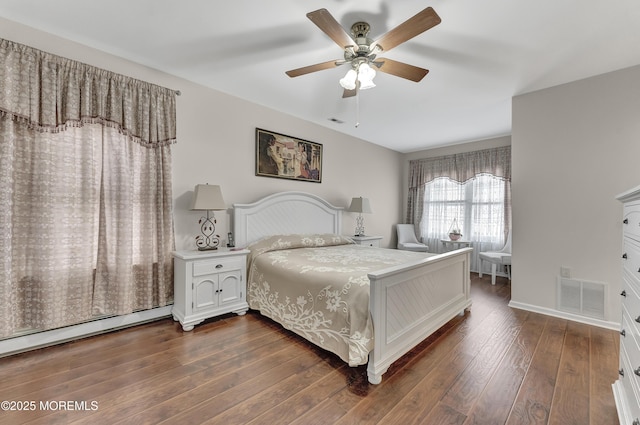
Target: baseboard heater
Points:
(582, 297)
(42, 339)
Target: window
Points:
(473, 188)
(478, 205)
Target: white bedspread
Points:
(317, 287)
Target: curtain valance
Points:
(51, 93)
(461, 167)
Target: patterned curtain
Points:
(473, 188)
(458, 167)
(86, 225)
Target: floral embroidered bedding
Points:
(317, 286)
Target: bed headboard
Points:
(285, 213)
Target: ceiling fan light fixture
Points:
(365, 72)
(349, 80)
(364, 85)
(365, 76)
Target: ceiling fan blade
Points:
(313, 68)
(417, 24)
(349, 93)
(400, 69)
(327, 23)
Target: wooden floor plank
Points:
(494, 365)
(443, 414)
(450, 359)
(161, 388)
(471, 383)
(496, 401)
(221, 392)
(533, 402)
(602, 358)
(570, 404)
(303, 401)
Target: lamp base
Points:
(209, 248)
(208, 240)
(359, 226)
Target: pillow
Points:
(278, 242)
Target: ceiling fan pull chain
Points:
(357, 109)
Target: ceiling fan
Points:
(362, 53)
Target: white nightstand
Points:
(367, 240)
(207, 284)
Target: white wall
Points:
(216, 145)
(574, 148)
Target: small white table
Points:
(454, 244)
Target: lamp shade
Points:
(360, 205)
(349, 80)
(365, 76)
(207, 197)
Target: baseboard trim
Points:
(564, 315)
(57, 336)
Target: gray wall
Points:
(574, 148)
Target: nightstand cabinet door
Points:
(217, 290)
(230, 285)
(205, 292)
(208, 284)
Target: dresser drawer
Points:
(217, 265)
(632, 392)
(631, 221)
(629, 343)
(631, 258)
(631, 298)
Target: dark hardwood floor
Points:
(495, 365)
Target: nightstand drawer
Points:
(373, 241)
(217, 265)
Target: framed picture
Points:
(286, 157)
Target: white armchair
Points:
(502, 257)
(407, 239)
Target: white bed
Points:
(407, 302)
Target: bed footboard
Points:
(408, 303)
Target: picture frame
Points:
(287, 157)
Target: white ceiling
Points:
(480, 56)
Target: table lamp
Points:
(207, 198)
(360, 205)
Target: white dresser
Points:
(207, 284)
(626, 389)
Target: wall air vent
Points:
(582, 297)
